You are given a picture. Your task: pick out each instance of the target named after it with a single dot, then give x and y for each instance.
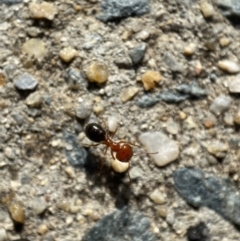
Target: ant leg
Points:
(86, 145)
(129, 174)
(102, 163)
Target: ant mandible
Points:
(122, 149)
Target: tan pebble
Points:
(74, 209)
(182, 115)
(42, 229)
(128, 93)
(198, 68)
(97, 72)
(64, 205)
(229, 66)
(34, 47)
(35, 99)
(16, 210)
(208, 122)
(207, 9)
(44, 10)
(237, 119)
(190, 49)
(70, 172)
(150, 78)
(118, 166)
(157, 197)
(2, 79)
(98, 108)
(224, 41)
(68, 54)
(162, 211)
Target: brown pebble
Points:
(150, 78)
(97, 72)
(2, 79)
(17, 212)
(208, 122)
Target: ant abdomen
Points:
(95, 132)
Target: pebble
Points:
(44, 10)
(34, 47)
(190, 49)
(68, 54)
(97, 72)
(70, 172)
(171, 97)
(234, 85)
(228, 119)
(229, 66)
(192, 89)
(162, 211)
(115, 9)
(150, 79)
(113, 123)
(2, 79)
(207, 9)
(118, 166)
(39, 205)
(136, 172)
(237, 118)
(17, 212)
(63, 205)
(198, 232)
(167, 149)
(172, 63)
(75, 79)
(84, 110)
(25, 82)
(137, 54)
(209, 121)
(9, 153)
(3, 234)
(157, 197)
(146, 101)
(122, 60)
(98, 108)
(218, 148)
(172, 127)
(128, 93)
(224, 42)
(42, 229)
(220, 104)
(35, 99)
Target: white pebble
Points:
(234, 85)
(113, 122)
(220, 104)
(172, 127)
(39, 205)
(167, 149)
(3, 234)
(157, 197)
(229, 66)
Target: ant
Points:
(122, 149)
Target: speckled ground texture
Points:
(50, 185)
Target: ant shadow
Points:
(119, 190)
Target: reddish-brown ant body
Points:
(122, 149)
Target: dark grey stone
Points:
(117, 9)
(215, 193)
(10, 1)
(171, 97)
(146, 101)
(121, 225)
(26, 82)
(137, 54)
(193, 90)
(229, 8)
(172, 63)
(199, 232)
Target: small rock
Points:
(190, 49)
(198, 232)
(136, 172)
(9, 153)
(44, 10)
(84, 110)
(2, 79)
(234, 85)
(34, 47)
(98, 108)
(42, 229)
(26, 82)
(150, 78)
(220, 104)
(63, 205)
(113, 123)
(17, 212)
(97, 72)
(172, 127)
(172, 63)
(171, 97)
(118, 166)
(75, 79)
(39, 205)
(207, 9)
(167, 149)
(146, 101)
(68, 54)
(228, 119)
(70, 172)
(157, 197)
(209, 121)
(128, 93)
(191, 89)
(224, 42)
(162, 211)
(237, 118)
(229, 66)
(122, 60)
(217, 148)
(35, 99)
(3, 234)
(137, 54)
